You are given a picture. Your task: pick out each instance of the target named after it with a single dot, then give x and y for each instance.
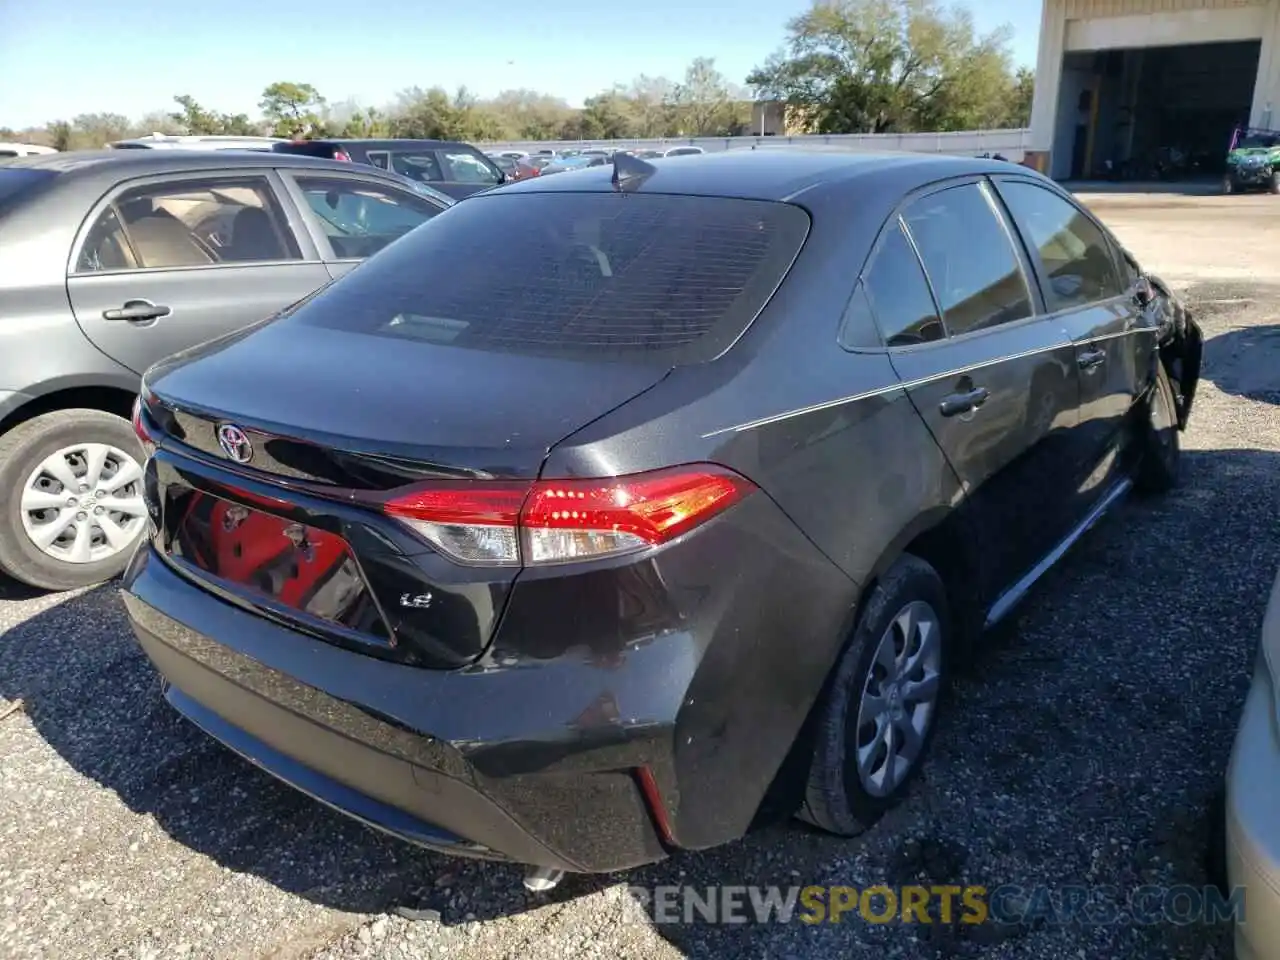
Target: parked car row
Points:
(455, 168)
(120, 258)
(364, 508)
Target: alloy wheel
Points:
(899, 698)
(84, 503)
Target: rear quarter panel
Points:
(826, 432)
(838, 448)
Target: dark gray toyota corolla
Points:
(674, 512)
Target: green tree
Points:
(92, 131)
(702, 102)
(158, 121)
(293, 109)
(528, 114)
(238, 125)
(193, 118)
(651, 100)
(606, 116)
(366, 123)
(871, 66)
(1018, 110)
(60, 135)
(425, 114)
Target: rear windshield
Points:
(592, 275)
(15, 181)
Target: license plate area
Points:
(277, 563)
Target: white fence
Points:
(1010, 143)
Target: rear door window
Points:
(419, 165)
(969, 256)
(463, 166)
(189, 223)
(592, 275)
(1074, 255)
(360, 217)
(898, 292)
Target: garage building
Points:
(1120, 82)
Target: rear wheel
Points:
(880, 709)
(1158, 448)
(71, 506)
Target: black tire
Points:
(1273, 184)
(1157, 444)
(836, 799)
(22, 450)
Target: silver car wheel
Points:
(899, 698)
(84, 503)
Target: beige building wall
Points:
(1079, 25)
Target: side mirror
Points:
(1144, 293)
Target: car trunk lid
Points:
(362, 411)
(290, 524)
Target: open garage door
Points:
(1153, 112)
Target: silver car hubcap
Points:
(899, 698)
(84, 503)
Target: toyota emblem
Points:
(235, 443)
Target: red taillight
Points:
(470, 522)
(555, 521)
(138, 419)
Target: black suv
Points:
(457, 169)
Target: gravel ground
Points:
(1081, 747)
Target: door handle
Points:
(958, 403)
(1091, 359)
(137, 311)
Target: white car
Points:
(10, 150)
(164, 141)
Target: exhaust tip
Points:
(542, 879)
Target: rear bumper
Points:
(534, 753)
(1250, 178)
(346, 729)
(1253, 822)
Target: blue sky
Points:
(133, 56)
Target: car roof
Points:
(772, 173)
(120, 164)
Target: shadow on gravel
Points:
(1242, 361)
(11, 589)
(1080, 747)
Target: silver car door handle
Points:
(1091, 359)
(136, 311)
